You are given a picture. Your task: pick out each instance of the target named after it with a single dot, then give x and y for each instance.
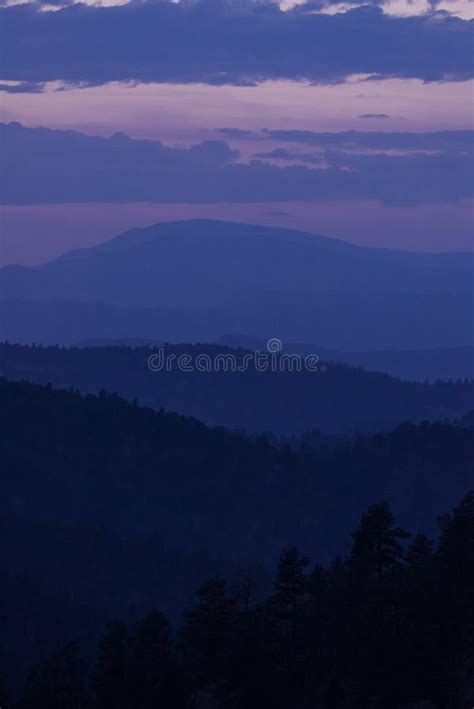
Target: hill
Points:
(293, 285)
(63, 322)
(334, 399)
(416, 365)
(107, 508)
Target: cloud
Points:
(46, 166)
(291, 156)
(218, 42)
(238, 133)
(374, 115)
(21, 87)
(447, 141)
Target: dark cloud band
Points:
(443, 140)
(46, 166)
(216, 42)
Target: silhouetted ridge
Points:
(335, 399)
(264, 280)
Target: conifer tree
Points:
(376, 550)
(112, 681)
(206, 634)
(153, 682)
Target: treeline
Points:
(101, 460)
(336, 399)
(391, 625)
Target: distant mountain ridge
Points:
(266, 255)
(66, 322)
(336, 399)
(415, 365)
(191, 228)
(247, 278)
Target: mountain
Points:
(335, 399)
(245, 278)
(69, 323)
(416, 365)
(107, 508)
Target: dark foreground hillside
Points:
(375, 628)
(334, 399)
(109, 509)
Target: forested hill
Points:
(375, 628)
(71, 457)
(335, 399)
(101, 459)
(107, 506)
(68, 456)
(109, 509)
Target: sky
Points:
(352, 120)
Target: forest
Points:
(336, 399)
(389, 625)
(110, 510)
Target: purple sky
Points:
(183, 112)
(184, 101)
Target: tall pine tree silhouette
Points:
(377, 549)
(112, 673)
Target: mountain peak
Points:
(210, 229)
(252, 278)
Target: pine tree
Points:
(152, 668)
(419, 553)
(376, 568)
(291, 587)
(112, 681)
(377, 550)
(455, 588)
(206, 634)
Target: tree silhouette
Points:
(291, 586)
(375, 567)
(112, 673)
(397, 633)
(419, 553)
(153, 682)
(376, 549)
(206, 636)
(455, 587)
